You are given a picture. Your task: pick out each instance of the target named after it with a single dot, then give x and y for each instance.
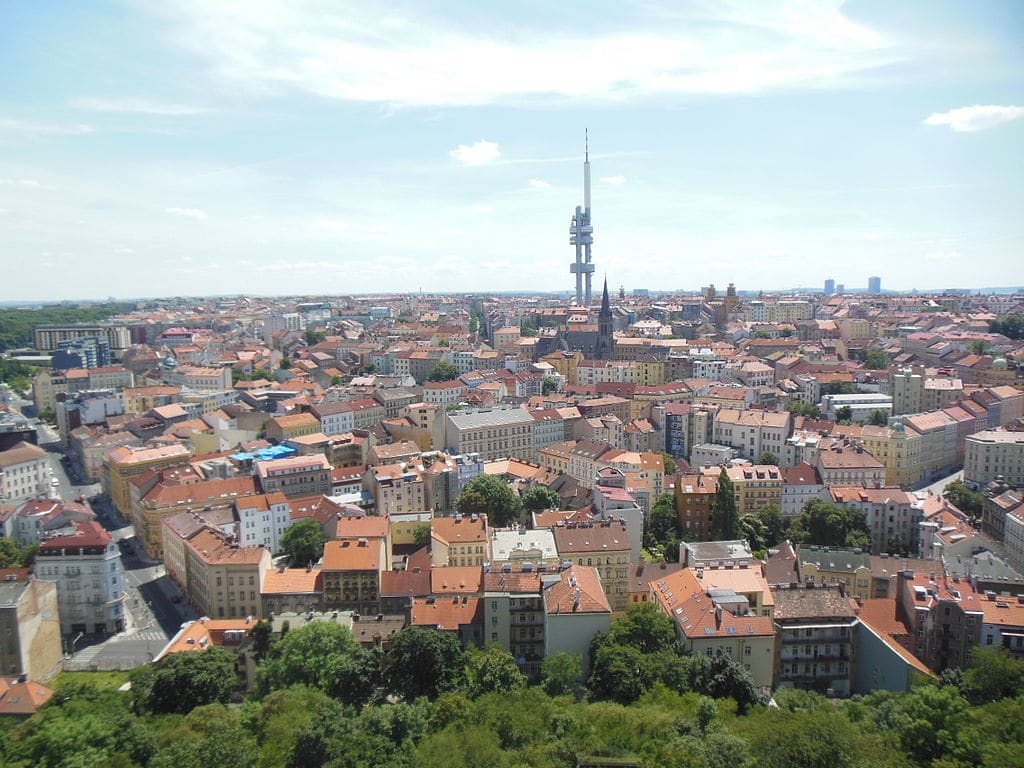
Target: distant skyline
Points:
(206, 147)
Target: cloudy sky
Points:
(208, 146)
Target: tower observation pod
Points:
(581, 235)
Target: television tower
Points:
(581, 234)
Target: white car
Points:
(54, 482)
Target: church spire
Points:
(606, 307)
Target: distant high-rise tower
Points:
(581, 234)
(875, 285)
(830, 287)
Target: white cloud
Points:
(481, 208)
(478, 153)
(539, 184)
(139, 106)
(614, 180)
(44, 129)
(976, 118)
(30, 183)
(451, 232)
(187, 213)
(943, 256)
(375, 53)
(872, 236)
(333, 225)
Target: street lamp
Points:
(77, 637)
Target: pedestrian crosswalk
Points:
(148, 634)
(87, 654)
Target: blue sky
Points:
(205, 147)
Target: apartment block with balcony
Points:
(816, 651)
(90, 579)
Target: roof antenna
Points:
(586, 145)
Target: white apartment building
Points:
(263, 520)
(24, 472)
(335, 418)
(90, 579)
(994, 453)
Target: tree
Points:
(827, 525)
(643, 627)
(314, 337)
(48, 415)
(541, 497)
(83, 726)
(424, 662)
(14, 556)
(180, 682)
(663, 528)
(768, 458)
(286, 363)
(994, 675)
(421, 535)
(443, 371)
(774, 524)
(752, 530)
(840, 388)
(212, 736)
(549, 385)
(490, 495)
(671, 467)
(1011, 326)
(963, 498)
(844, 414)
(876, 359)
(492, 670)
(804, 409)
(336, 380)
(878, 418)
(980, 346)
(725, 516)
(528, 327)
(560, 673)
(304, 542)
(322, 655)
(262, 639)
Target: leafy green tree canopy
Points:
(541, 497)
(424, 662)
(180, 682)
(490, 495)
(443, 371)
(304, 542)
(492, 670)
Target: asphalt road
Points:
(939, 485)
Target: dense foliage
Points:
(304, 542)
(827, 525)
(16, 325)
(490, 495)
(1011, 326)
(663, 530)
(725, 515)
(963, 498)
(13, 555)
(17, 374)
(664, 709)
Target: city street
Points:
(939, 485)
(152, 616)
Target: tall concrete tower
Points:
(581, 234)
